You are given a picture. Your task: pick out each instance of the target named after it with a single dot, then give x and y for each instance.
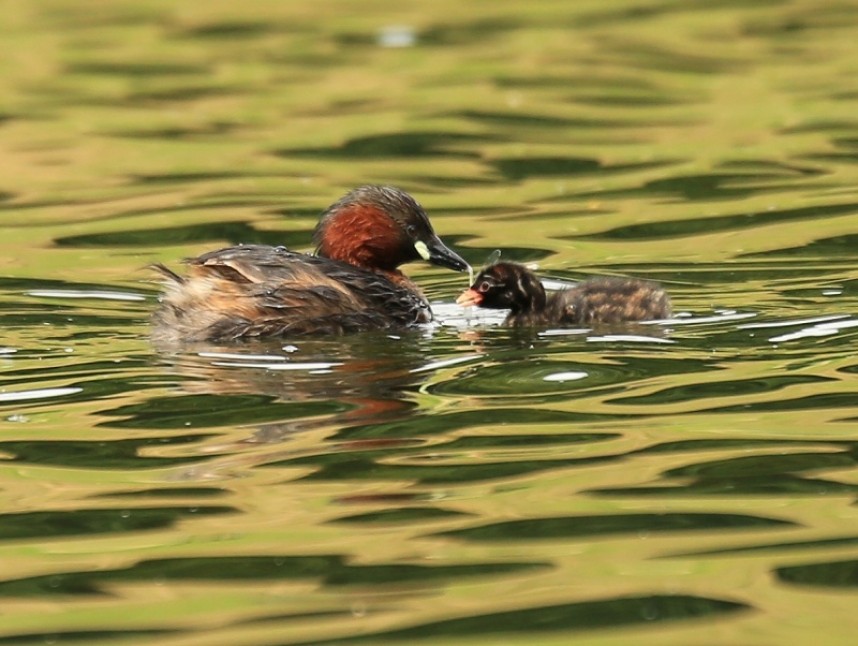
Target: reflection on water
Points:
(461, 482)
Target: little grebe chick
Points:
(597, 301)
(352, 283)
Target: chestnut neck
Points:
(363, 235)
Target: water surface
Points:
(462, 482)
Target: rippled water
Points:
(687, 482)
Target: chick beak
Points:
(434, 251)
(469, 297)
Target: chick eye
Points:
(484, 286)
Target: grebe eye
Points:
(484, 286)
(410, 229)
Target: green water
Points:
(686, 483)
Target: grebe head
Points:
(505, 285)
(380, 228)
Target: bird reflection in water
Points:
(329, 385)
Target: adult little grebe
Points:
(351, 284)
(597, 301)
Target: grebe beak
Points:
(469, 297)
(434, 251)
